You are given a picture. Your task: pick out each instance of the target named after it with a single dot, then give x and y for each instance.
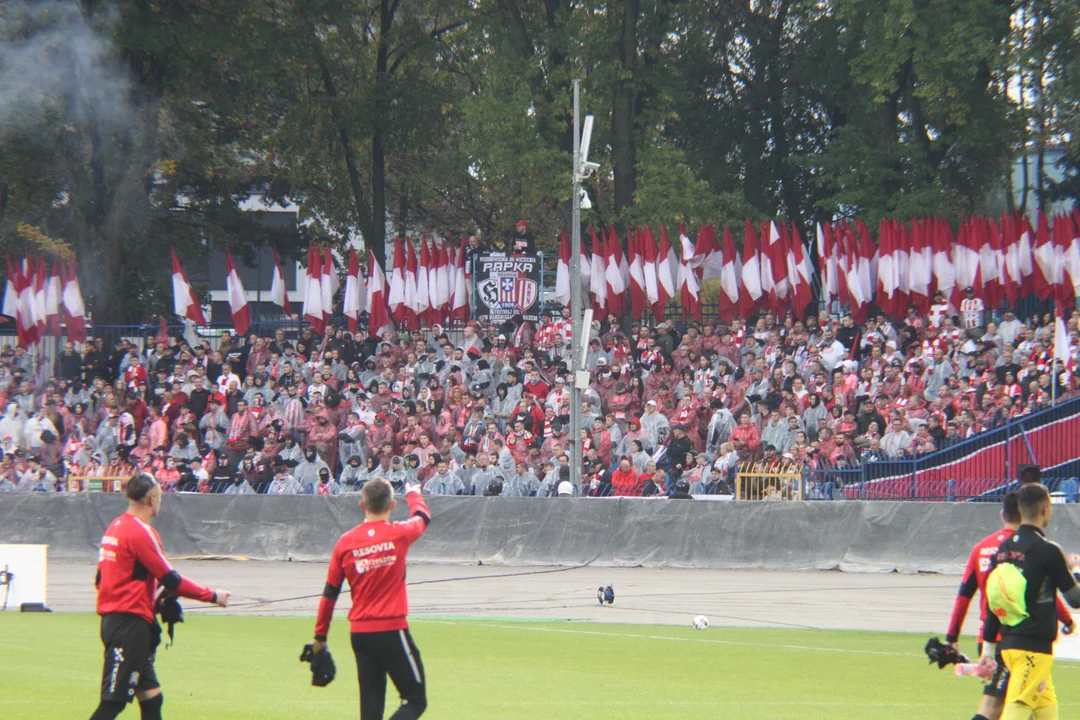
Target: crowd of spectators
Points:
(669, 411)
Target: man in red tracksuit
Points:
(975, 573)
(130, 567)
(371, 557)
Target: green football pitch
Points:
(247, 668)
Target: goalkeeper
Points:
(1026, 573)
(371, 558)
(974, 578)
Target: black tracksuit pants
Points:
(392, 653)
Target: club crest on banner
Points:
(507, 286)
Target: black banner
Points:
(507, 285)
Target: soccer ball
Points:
(701, 622)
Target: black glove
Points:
(323, 669)
(169, 608)
(943, 654)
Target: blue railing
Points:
(983, 471)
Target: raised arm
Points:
(149, 552)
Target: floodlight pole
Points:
(575, 297)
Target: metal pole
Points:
(575, 297)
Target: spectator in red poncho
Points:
(624, 481)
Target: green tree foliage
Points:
(131, 128)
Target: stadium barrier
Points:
(619, 532)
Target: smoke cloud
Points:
(58, 64)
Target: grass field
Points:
(247, 668)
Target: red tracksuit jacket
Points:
(130, 565)
(371, 557)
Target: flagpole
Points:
(575, 296)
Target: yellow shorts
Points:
(1029, 679)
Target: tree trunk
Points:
(623, 152)
(377, 237)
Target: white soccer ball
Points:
(701, 622)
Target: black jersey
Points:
(1046, 572)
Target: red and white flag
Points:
(667, 265)
(41, 283)
(689, 288)
(944, 271)
(800, 273)
(53, 291)
(920, 268)
(709, 256)
(730, 279)
(1046, 262)
(638, 300)
(412, 299)
(329, 284)
(598, 275)
(865, 272)
(459, 309)
(26, 303)
(425, 276)
(184, 302)
(377, 294)
(616, 286)
(751, 273)
(74, 309)
(1072, 252)
(562, 272)
(1011, 279)
(444, 281)
(238, 304)
(355, 292)
(888, 270)
(1063, 237)
(396, 297)
(313, 293)
(279, 294)
(18, 306)
(11, 300)
(647, 245)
